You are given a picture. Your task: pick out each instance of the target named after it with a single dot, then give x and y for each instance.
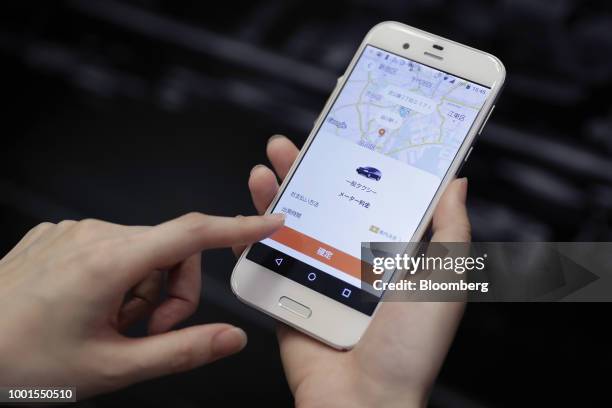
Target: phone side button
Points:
(486, 120)
(295, 307)
(467, 156)
(464, 161)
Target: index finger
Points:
(171, 242)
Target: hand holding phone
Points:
(394, 133)
(399, 356)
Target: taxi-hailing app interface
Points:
(370, 172)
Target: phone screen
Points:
(370, 173)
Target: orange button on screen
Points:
(318, 250)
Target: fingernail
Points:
(274, 137)
(256, 167)
(228, 342)
(276, 217)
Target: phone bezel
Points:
(262, 288)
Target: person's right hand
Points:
(63, 301)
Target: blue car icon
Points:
(369, 172)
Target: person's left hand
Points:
(397, 359)
(63, 301)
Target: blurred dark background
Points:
(138, 111)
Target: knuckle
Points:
(42, 227)
(193, 216)
(66, 223)
(89, 223)
(86, 229)
(197, 223)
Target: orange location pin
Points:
(381, 132)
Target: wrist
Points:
(364, 393)
(387, 396)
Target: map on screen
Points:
(405, 110)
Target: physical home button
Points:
(295, 307)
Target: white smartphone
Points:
(394, 132)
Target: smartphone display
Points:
(370, 173)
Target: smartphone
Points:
(395, 131)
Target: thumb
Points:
(450, 220)
(180, 350)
